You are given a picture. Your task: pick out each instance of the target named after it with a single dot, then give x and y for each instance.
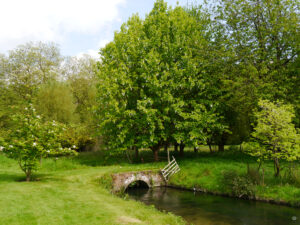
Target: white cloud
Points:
(51, 20)
(103, 42)
(93, 53)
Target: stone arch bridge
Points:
(121, 181)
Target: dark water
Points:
(203, 209)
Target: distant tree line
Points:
(60, 88)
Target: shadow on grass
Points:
(38, 177)
(112, 157)
(11, 177)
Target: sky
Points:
(77, 26)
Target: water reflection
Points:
(198, 208)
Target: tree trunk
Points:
(166, 147)
(221, 147)
(263, 176)
(155, 150)
(209, 145)
(136, 149)
(28, 175)
(195, 149)
(277, 167)
(176, 147)
(181, 149)
(128, 155)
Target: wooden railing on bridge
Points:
(170, 169)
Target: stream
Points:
(203, 209)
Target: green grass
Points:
(71, 191)
(206, 171)
(67, 191)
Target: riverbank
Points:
(232, 173)
(206, 209)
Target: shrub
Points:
(241, 186)
(78, 136)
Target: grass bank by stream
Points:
(69, 191)
(227, 173)
(231, 173)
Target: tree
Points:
(54, 101)
(32, 140)
(30, 65)
(153, 82)
(275, 134)
(80, 78)
(80, 75)
(262, 40)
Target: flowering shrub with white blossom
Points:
(32, 140)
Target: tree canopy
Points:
(154, 84)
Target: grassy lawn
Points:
(68, 190)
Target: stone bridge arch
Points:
(121, 181)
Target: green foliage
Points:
(292, 175)
(153, 82)
(261, 44)
(32, 140)
(80, 74)
(30, 65)
(54, 101)
(64, 92)
(240, 185)
(275, 136)
(77, 135)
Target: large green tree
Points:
(153, 84)
(30, 65)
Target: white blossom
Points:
(1, 148)
(34, 144)
(48, 151)
(74, 146)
